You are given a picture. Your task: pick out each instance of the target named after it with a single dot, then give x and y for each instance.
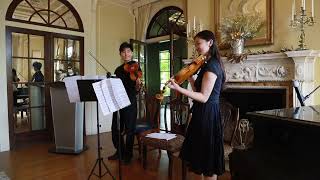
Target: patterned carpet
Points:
(3, 176)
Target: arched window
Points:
(166, 18)
(52, 13)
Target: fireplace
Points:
(269, 77)
(249, 99)
(271, 70)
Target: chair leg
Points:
(29, 119)
(170, 164)
(159, 151)
(184, 170)
(144, 158)
(15, 120)
(140, 148)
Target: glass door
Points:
(36, 59)
(29, 82)
(66, 57)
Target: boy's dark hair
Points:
(37, 65)
(125, 45)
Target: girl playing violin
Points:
(203, 146)
(129, 72)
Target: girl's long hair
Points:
(214, 50)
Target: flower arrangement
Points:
(244, 26)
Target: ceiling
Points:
(129, 3)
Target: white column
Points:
(304, 62)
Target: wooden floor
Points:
(34, 162)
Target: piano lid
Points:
(306, 114)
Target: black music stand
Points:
(87, 93)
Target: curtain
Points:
(142, 19)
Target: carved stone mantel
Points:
(276, 67)
(286, 66)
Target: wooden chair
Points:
(179, 112)
(149, 119)
(230, 120)
(21, 105)
(243, 137)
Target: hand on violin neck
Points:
(173, 85)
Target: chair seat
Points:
(173, 145)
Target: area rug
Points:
(3, 176)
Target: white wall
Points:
(86, 10)
(115, 24)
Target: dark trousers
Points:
(15, 98)
(128, 117)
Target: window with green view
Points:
(164, 69)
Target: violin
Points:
(133, 68)
(184, 73)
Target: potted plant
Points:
(236, 29)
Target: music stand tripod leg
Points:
(99, 159)
(119, 144)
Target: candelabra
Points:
(191, 33)
(300, 22)
(190, 41)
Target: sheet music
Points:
(101, 98)
(72, 88)
(120, 94)
(111, 95)
(166, 136)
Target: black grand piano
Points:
(286, 146)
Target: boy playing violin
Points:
(129, 72)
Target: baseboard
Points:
(4, 148)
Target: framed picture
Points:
(229, 8)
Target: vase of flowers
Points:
(236, 29)
(237, 46)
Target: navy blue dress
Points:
(203, 147)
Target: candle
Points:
(194, 23)
(188, 28)
(312, 8)
(293, 9)
(303, 4)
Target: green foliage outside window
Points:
(164, 70)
